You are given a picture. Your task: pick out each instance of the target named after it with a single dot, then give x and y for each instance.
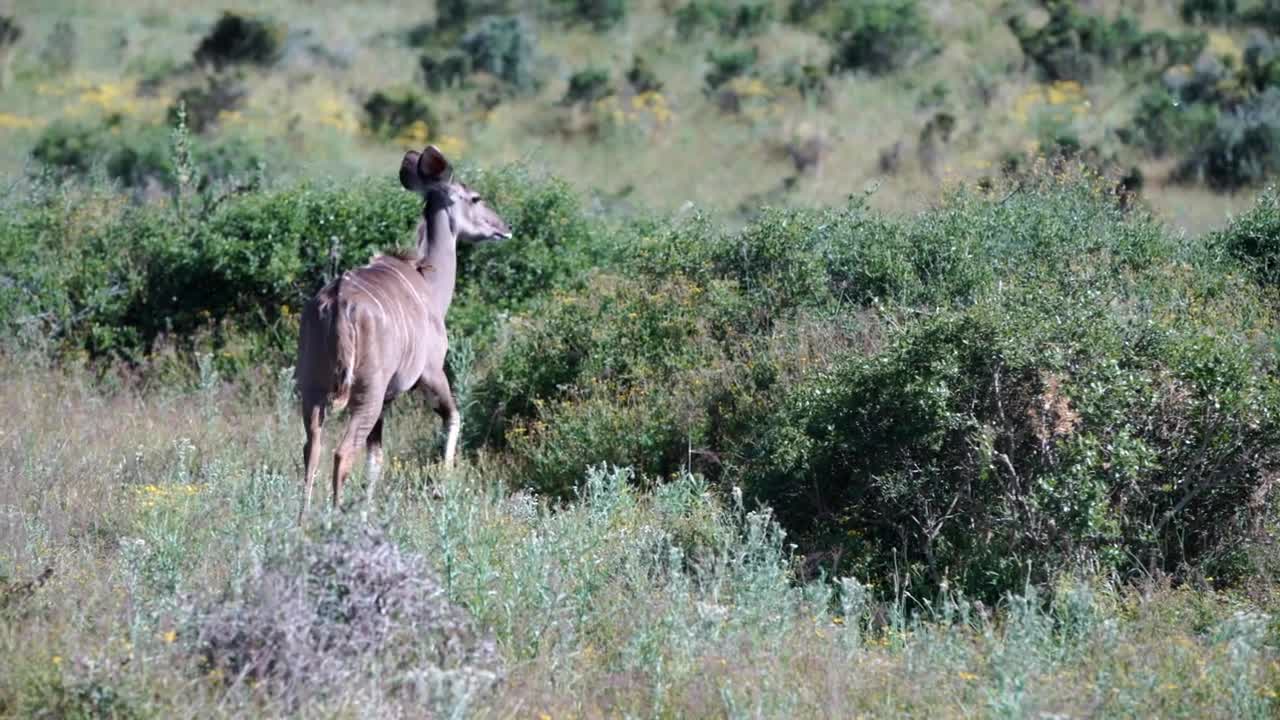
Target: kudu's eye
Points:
(475, 199)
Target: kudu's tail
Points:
(344, 337)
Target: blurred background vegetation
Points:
(729, 104)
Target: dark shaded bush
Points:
(452, 14)
(138, 156)
(445, 70)
(873, 35)
(810, 80)
(61, 48)
(239, 39)
(588, 85)
(1243, 147)
(10, 34)
(729, 64)
(390, 112)
(221, 93)
(345, 608)
(1253, 238)
(1074, 44)
(503, 47)
(1209, 11)
(601, 14)
(227, 272)
(992, 444)
(1162, 123)
(642, 78)
(731, 19)
(1002, 385)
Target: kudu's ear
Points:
(433, 167)
(409, 171)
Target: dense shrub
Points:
(602, 14)
(221, 93)
(992, 443)
(239, 39)
(1254, 238)
(346, 607)
(452, 14)
(733, 20)
(554, 245)
(390, 112)
(503, 47)
(1043, 390)
(232, 273)
(1162, 123)
(1208, 11)
(1074, 44)
(445, 70)
(10, 34)
(642, 78)
(1243, 147)
(588, 85)
(138, 157)
(874, 35)
(729, 64)
(61, 48)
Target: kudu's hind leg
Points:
(313, 411)
(441, 396)
(373, 447)
(364, 415)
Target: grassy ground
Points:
(308, 106)
(622, 603)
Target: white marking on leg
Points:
(373, 471)
(451, 442)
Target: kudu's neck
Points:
(438, 246)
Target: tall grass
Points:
(675, 601)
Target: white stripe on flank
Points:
(409, 285)
(404, 331)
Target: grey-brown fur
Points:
(378, 331)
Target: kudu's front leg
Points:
(440, 395)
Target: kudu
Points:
(379, 330)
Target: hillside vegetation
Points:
(726, 103)
(1011, 453)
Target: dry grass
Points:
(672, 603)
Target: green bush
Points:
(602, 14)
(729, 64)
(1074, 44)
(642, 78)
(239, 39)
(137, 157)
(203, 104)
(503, 47)
(1254, 238)
(451, 14)
(588, 85)
(443, 71)
(995, 443)
(1162, 123)
(734, 20)
(1209, 11)
(554, 246)
(1243, 148)
(874, 35)
(390, 112)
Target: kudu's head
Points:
(428, 173)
